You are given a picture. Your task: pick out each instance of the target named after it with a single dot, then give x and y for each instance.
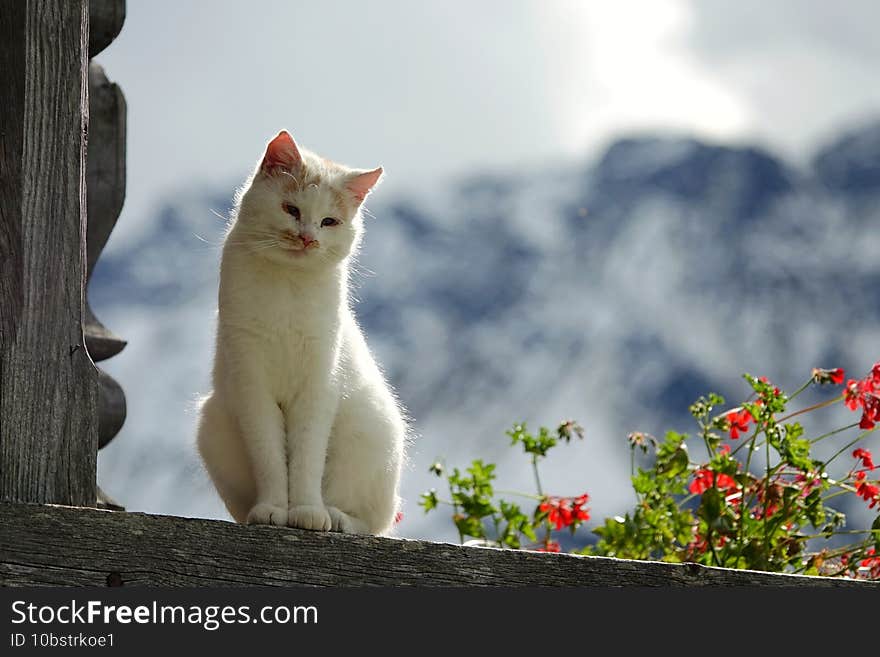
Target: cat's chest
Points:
(289, 321)
(282, 329)
(285, 329)
(276, 309)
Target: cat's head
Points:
(301, 210)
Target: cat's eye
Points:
(292, 210)
(329, 221)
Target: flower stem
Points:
(455, 508)
(844, 489)
(801, 389)
(530, 496)
(814, 407)
(846, 447)
(537, 476)
(840, 532)
(836, 431)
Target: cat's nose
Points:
(308, 240)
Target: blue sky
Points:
(432, 90)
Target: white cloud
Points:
(435, 89)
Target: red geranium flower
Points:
(739, 422)
(700, 544)
(551, 546)
(872, 563)
(704, 480)
(866, 458)
(869, 492)
(725, 481)
(565, 511)
(865, 394)
(852, 394)
(828, 376)
(871, 412)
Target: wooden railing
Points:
(105, 180)
(82, 547)
(62, 167)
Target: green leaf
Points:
(672, 457)
(794, 430)
(703, 407)
(794, 449)
(711, 505)
(470, 526)
(539, 445)
(429, 500)
(642, 482)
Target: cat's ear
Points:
(282, 154)
(360, 183)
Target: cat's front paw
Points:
(267, 514)
(345, 523)
(311, 517)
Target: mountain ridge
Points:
(617, 290)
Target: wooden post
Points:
(48, 383)
(105, 178)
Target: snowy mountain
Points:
(615, 292)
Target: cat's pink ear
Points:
(281, 153)
(361, 182)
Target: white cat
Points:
(301, 428)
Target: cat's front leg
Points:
(262, 428)
(309, 421)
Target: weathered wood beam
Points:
(48, 384)
(105, 19)
(105, 177)
(111, 408)
(46, 545)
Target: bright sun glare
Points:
(624, 65)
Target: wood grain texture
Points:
(48, 384)
(105, 178)
(105, 172)
(105, 21)
(47, 545)
(112, 408)
(101, 342)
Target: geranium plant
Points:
(758, 498)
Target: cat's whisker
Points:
(247, 242)
(265, 244)
(357, 268)
(290, 175)
(207, 241)
(218, 215)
